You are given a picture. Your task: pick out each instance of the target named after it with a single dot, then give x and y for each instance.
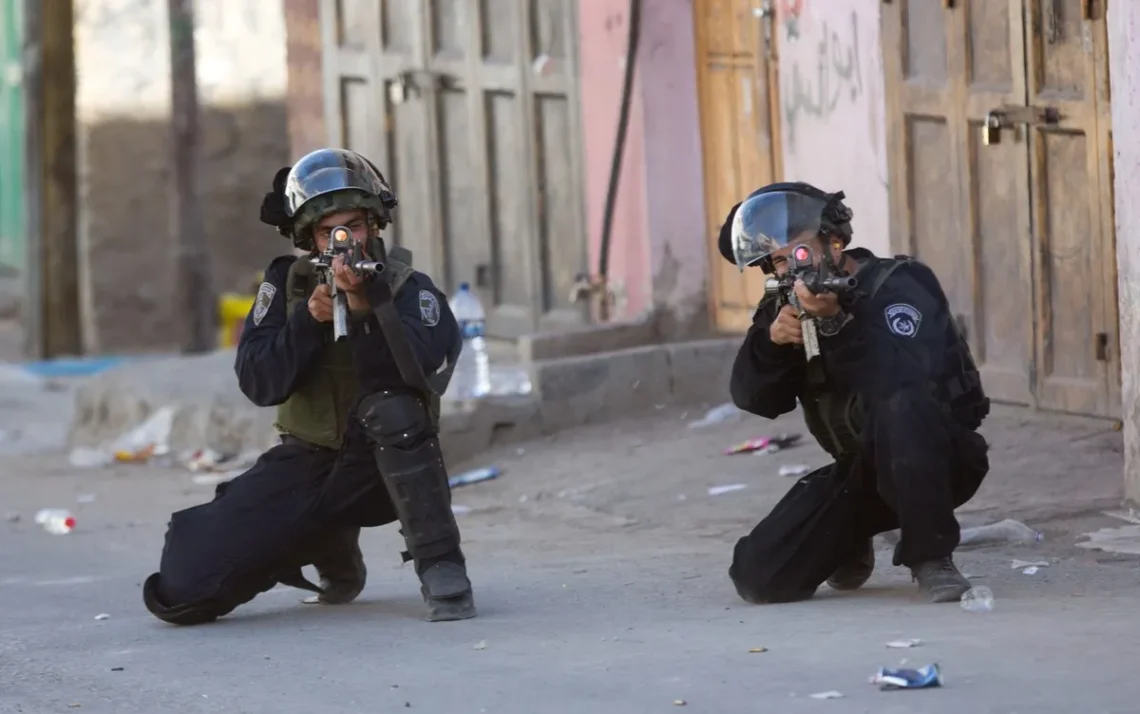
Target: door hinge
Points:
(1102, 346)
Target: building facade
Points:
(123, 236)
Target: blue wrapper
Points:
(921, 678)
(474, 476)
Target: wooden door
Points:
(999, 223)
(737, 85)
(471, 108)
(1071, 194)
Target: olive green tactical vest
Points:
(835, 419)
(319, 407)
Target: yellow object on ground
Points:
(232, 311)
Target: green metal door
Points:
(11, 138)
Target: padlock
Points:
(991, 129)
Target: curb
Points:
(210, 411)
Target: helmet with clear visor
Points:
(766, 222)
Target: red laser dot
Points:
(69, 522)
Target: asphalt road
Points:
(590, 601)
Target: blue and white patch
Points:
(265, 294)
(902, 319)
(429, 308)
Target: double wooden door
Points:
(1001, 181)
(471, 109)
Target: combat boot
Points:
(446, 588)
(340, 565)
(857, 570)
(941, 580)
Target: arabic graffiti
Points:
(838, 74)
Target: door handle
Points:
(1007, 117)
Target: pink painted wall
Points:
(658, 261)
(603, 32)
(678, 244)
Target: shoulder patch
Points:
(902, 319)
(265, 295)
(429, 308)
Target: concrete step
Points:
(210, 411)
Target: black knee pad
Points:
(408, 457)
(395, 419)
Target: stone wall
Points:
(123, 107)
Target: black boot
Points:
(941, 580)
(340, 565)
(857, 570)
(446, 588)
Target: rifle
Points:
(341, 243)
(801, 266)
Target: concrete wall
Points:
(1124, 74)
(658, 259)
(833, 109)
(305, 95)
(123, 107)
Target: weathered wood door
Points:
(1019, 229)
(470, 108)
(737, 84)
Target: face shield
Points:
(770, 221)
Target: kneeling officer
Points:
(358, 417)
(887, 386)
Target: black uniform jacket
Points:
(897, 340)
(275, 349)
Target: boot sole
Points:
(953, 594)
(450, 609)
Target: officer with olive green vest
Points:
(358, 418)
(893, 396)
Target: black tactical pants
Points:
(298, 505)
(916, 465)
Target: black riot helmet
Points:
(330, 180)
(779, 214)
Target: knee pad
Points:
(395, 419)
(408, 457)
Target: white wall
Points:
(122, 55)
(1124, 74)
(833, 108)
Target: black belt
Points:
(291, 440)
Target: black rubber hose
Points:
(619, 146)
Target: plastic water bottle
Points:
(472, 376)
(978, 599)
(56, 521)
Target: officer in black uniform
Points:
(893, 396)
(358, 418)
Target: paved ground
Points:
(600, 565)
